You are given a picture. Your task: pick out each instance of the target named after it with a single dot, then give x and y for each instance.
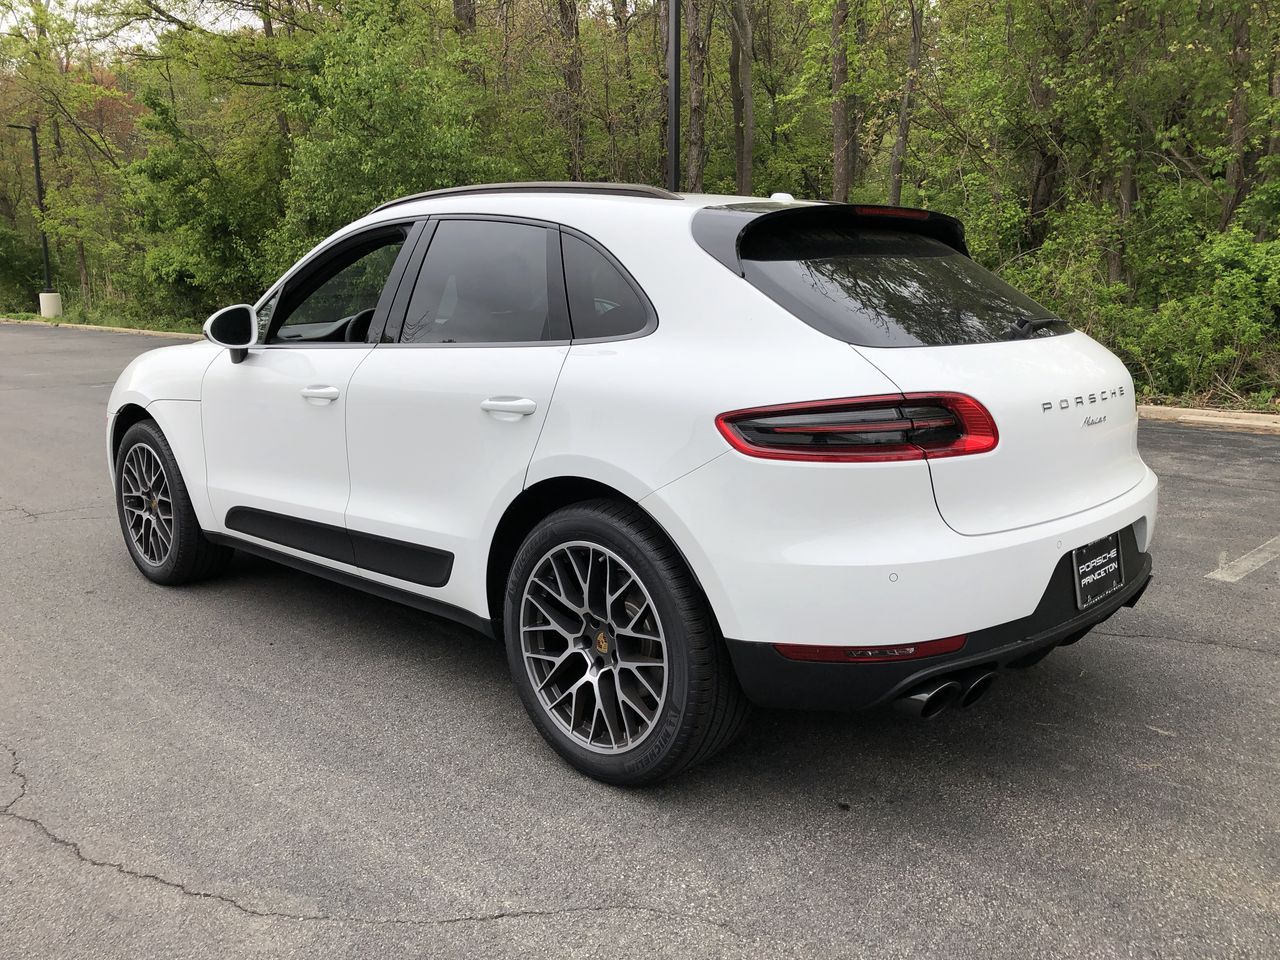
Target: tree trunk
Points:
(897, 159)
(1266, 230)
(840, 133)
(83, 264)
(663, 13)
(857, 108)
(1237, 117)
(698, 30)
(269, 31)
(630, 106)
(740, 56)
(464, 15)
(573, 125)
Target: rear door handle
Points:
(319, 394)
(511, 406)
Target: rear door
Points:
(444, 415)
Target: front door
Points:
(442, 421)
(275, 424)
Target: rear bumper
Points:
(771, 680)
(831, 555)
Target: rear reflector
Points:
(890, 654)
(899, 426)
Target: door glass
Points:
(483, 281)
(601, 301)
(339, 297)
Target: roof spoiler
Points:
(721, 231)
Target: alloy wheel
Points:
(593, 646)
(148, 504)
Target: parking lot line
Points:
(1251, 561)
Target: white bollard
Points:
(50, 305)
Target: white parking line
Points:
(1251, 561)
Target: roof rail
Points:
(550, 186)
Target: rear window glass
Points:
(884, 288)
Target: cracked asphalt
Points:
(271, 766)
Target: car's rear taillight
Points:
(910, 426)
(888, 654)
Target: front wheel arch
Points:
(126, 417)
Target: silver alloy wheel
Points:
(593, 647)
(148, 504)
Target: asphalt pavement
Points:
(272, 766)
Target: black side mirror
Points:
(235, 328)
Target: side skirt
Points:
(426, 604)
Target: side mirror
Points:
(235, 328)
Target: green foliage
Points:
(1120, 160)
(1219, 339)
(382, 121)
(19, 270)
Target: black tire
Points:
(190, 555)
(704, 707)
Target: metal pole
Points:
(44, 237)
(673, 95)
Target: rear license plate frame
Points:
(1090, 570)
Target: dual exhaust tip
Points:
(960, 690)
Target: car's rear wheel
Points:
(613, 649)
(159, 525)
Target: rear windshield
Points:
(884, 288)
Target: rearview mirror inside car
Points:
(234, 327)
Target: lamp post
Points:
(673, 95)
(50, 302)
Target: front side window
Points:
(339, 294)
(483, 281)
(602, 303)
(887, 288)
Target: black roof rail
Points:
(550, 186)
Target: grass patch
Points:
(78, 318)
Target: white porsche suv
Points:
(681, 453)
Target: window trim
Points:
(651, 314)
(412, 227)
(557, 298)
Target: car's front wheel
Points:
(613, 649)
(159, 525)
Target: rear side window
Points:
(602, 302)
(484, 281)
(884, 288)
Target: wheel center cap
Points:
(602, 641)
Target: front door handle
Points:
(509, 408)
(320, 394)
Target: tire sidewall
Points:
(661, 749)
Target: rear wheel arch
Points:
(535, 503)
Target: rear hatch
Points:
(899, 287)
(1065, 413)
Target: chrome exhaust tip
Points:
(929, 699)
(976, 684)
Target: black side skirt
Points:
(394, 558)
(387, 592)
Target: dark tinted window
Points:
(881, 288)
(483, 281)
(602, 303)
